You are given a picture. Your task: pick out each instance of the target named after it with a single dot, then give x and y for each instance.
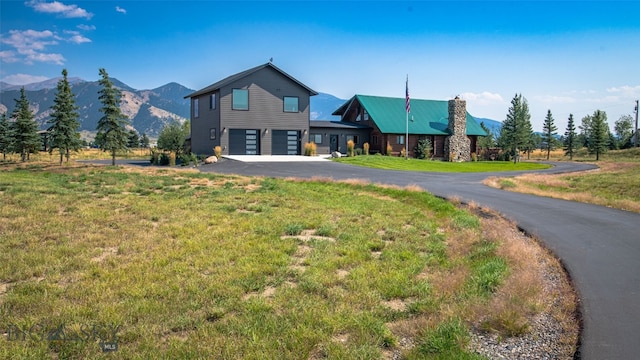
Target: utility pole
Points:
(635, 136)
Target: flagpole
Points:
(407, 107)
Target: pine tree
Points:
(516, 129)
(144, 141)
(597, 133)
(570, 138)
(111, 127)
(25, 129)
(6, 137)
(134, 139)
(486, 142)
(64, 120)
(549, 132)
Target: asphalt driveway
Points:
(599, 246)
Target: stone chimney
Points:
(457, 145)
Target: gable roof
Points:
(230, 79)
(427, 117)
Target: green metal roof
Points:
(427, 117)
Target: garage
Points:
(244, 142)
(285, 142)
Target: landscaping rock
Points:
(211, 160)
(336, 154)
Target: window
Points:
(212, 102)
(400, 140)
(240, 99)
(212, 133)
(290, 104)
(353, 138)
(358, 114)
(315, 138)
(374, 139)
(196, 108)
(366, 116)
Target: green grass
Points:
(191, 265)
(397, 163)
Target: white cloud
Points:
(76, 37)
(23, 79)
(8, 56)
(56, 7)
(121, 10)
(483, 98)
(49, 58)
(626, 91)
(86, 27)
(28, 41)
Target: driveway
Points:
(599, 246)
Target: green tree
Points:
(516, 130)
(172, 138)
(486, 142)
(112, 133)
(623, 128)
(144, 141)
(6, 137)
(64, 120)
(422, 150)
(549, 133)
(597, 133)
(570, 138)
(24, 129)
(134, 139)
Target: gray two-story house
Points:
(260, 111)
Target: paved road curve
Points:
(599, 246)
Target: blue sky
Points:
(566, 56)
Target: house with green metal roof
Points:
(430, 119)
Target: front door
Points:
(333, 142)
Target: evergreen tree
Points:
(570, 138)
(548, 133)
(486, 142)
(64, 120)
(6, 138)
(597, 133)
(144, 141)
(134, 139)
(111, 127)
(516, 131)
(24, 129)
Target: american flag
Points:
(408, 101)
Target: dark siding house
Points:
(260, 111)
(330, 136)
(431, 119)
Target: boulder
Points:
(336, 154)
(211, 160)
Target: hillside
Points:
(148, 110)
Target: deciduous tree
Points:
(112, 134)
(24, 128)
(623, 128)
(172, 138)
(144, 141)
(63, 131)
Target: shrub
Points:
(358, 151)
(422, 149)
(474, 157)
(172, 159)
(350, 146)
(403, 152)
(194, 159)
(218, 151)
(389, 149)
(164, 159)
(310, 149)
(365, 147)
(155, 157)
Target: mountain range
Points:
(148, 110)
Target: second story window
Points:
(212, 102)
(240, 99)
(196, 108)
(290, 104)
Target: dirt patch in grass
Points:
(106, 252)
